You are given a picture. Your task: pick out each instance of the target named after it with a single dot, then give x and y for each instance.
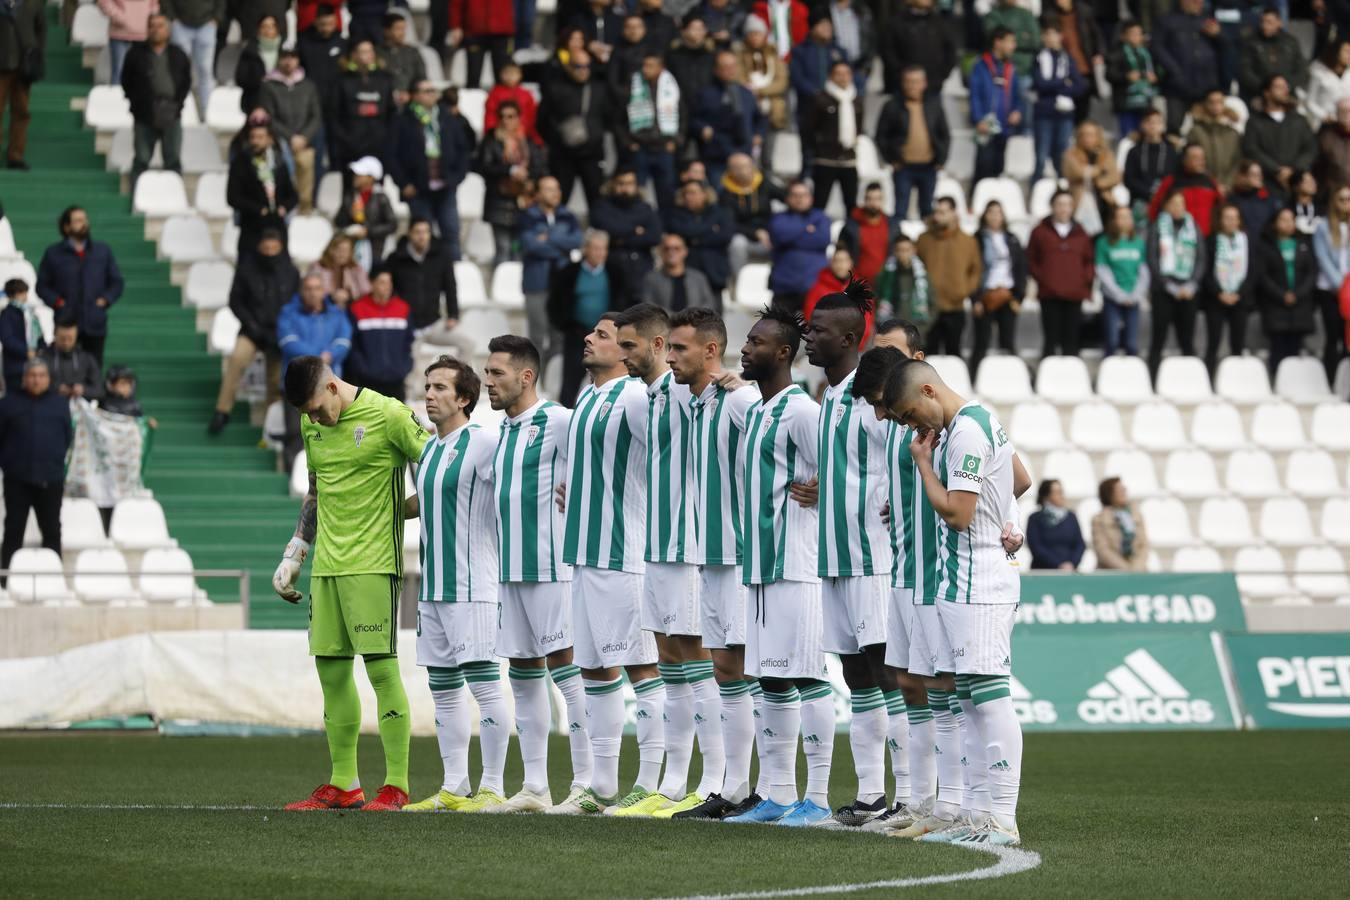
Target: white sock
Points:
(569, 682)
(677, 719)
(978, 802)
(452, 727)
(923, 786)
(818, 741)
(651, 732)
(777, 738)
(494, 728)
(897, 743)
(867, 739)
(951, 786)
(529, 688)
(604, 707)
(707, 724)
(761, 746)
(1002, 734)
(738, 737)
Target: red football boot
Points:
(327, 796)
(389, 799)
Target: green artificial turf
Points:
(1118, 815)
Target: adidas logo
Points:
(1002, 764)
(810, 739)
(572, 727)
(892, 744)
(1141, 691)
(392, 714)
(489, 722)
(769, 733)
(1029, 710)
(643, 714)
(698, 719)
(963, 761)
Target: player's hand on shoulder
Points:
(729, 381)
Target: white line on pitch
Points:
(134, 806)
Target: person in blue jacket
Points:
(995, 103)
(20, 331)
(799, 236)
(549, 232)
(727, 118)
(79, 279)
(1053, 533)
(310, 325)
(1058, 84)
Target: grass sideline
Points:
(1113, 815)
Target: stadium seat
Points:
(166, 576)
(1224, 522)
(469, 285)
(36, 576)
(953, 371)
(1042, 191)
(412, 541)
(229, 241)
(1251, 474)
(1284, 522)
(473, 106)
(20, 268)
(309, 236)
(1167, 521)
(478, 244)
(1020, 160)
(300, 475)
(1064, 380)
(1195, 559)
(948, 186)
(1242, 380)
(506, 285)
(786, 156)
(1073, 469)
(1261, 573)
(160, 195)
(89, 28)
(82, 525)
(1278, 426)
(1184, 381)
(186, 239)
(107, 109)
(210, 196)
(138, 524)
(223, 111)
(224, 331)
(482, 323)
(8, 250)
(1003, 380)
(208, 284)
(1302, 380)
(1312, 474)
(868, 163)
(1217, 427)
(1331, 426)
(1135, 468)
(101, 577)
(200, 151)
(1035, 427)
(329, 195)
(469, 198)
(752, 287)
(1124, 380)
(1096, 427)
(1086, 510)
(1191, 474)
(1006, 191)
(1335, 523)
(1320, 573)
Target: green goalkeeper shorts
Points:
(353, 615)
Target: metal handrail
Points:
(242, 575)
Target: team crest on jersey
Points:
(359, 433)
(712, 407)
(768, 422)
(605, 408)
(530, 434)
(838, 416)
(450, 457)
(660, 401)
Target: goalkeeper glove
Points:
(283, 580)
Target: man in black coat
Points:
(726, 118)
(428, 182)
(364, 107)
(157, 78)
(633, 227)
(1186, 48)
(707, 229)
(35, 434)
(259, 189)
(690, 59)
(321, 47)
(423, 273)
(23, 45)
(79, 279)
(918, 36)
(73, 372)
(573, 116)
(914, 108)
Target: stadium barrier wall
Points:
(1292, 680)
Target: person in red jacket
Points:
(508, 88)
(833, 279)
(1060, 257)
(1202, 192)
(482, 26)
(788, 22)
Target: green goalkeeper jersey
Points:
(358, 466)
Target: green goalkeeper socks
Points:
(341, 718)
(395, 721)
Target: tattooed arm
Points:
(297, 550)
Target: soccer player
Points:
(358, 444)
(605, 501)
(854, 549)
(783, 640)
(972, 487)
(457, 605)
(535, 631)
(698, 341)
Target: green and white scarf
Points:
(265, 166)
(1230, 262)
(663, 111)
(1176, 247)
(431, 129)
(920, 303)
(1139, 93)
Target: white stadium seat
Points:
(469, 285)
(1284, 522)
(300, 475)
(786, 158)
(101, 577)
(1252, 474)
(1243, 380)
(1261, 573)
(1335, 524)
(1124, 380)
(82, 525)
(952, 370)
(200, 151)
(1184, 381)
(1191, 474)
(1217, 427)
(1035, 426)
(89, 28)
(1320, 573)
(210, 197)
(1073, 469)
(223, 112)
(1003, 380)
(8, 250)
(1331, 426)
(1302, 380)
(1042, 191)
(224, 332)
(1003, 189)
(481, 324)
(36, 576)
(469, 197)
(166, 576)
(1167, 521)
(1135, 468)
(752, 286)
(1312, 474)
(229, 241)
(1157, 427)
(1064, 380)
(107, 108)
(1224, 522)
(208, 284)
(186, 239)
(1278, 426)
(138, 524)
(1020, 159)
(309, 236)
(473, 106)
(506, 285)
(329, 194)
(1096, 427)
(1195, 559)
(160, 195)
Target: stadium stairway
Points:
(225, 502)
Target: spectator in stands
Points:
(1328, 82)
(1270, 50)
(364, 107)
(1149, 161)
(310, 324)
(912, 135)
(1011, 15)
(258, 57)
(292, 102)
(340, 275)
(1277, 137)
(951, 260)
(366, 216)
(603, 26)
(1084, 44)
(691, 58)
(707, 229)
(481, 28)
(1186, 47)
(549, 232)
(673, 285)
(424, 275)
(1003, 285)
(367, 20)
(23, 48)
(248, 13)
(868, 235)
(20, 330)
(259, 189)
(1053, 534)
(1177, 265)
(856, 35)
(573, 119)
(1331, 244)
(799, 236)
(509, 87)
(79, 279)
(1118, 535)
(400, 59)
(651, 130)
(1122, 273)
(1303, 199)
(127, 25)
(633, 230)
(263, 282)
(1058, 84)
(725, 118)
(156, 78)
(35, 436)
(1286, 289)
(194, 31)
(808, 71)
(1089, 165)
(1228, 290)
(661, 30)
(74, 372)
(429, 153)
(995, 104)
(1256, 204)
(725, 21)
(382, 339)
(510, 163)
(1201, 192)
(1060, 257)
(321, 48)
(1133, 78)
(1212, 129)
(918, 36)
(1333, 149)
(580, 293)
(902, 289)
(764, 72)
(832, 133)
(625, 58)
(748, 193)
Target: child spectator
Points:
(1133, 78)
(902, 288)
(20, 331)
(508, 88)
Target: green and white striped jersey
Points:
(975, 455)
(531, 462)
(454, 500)
(853, 476)
(670, 501)
(780, 536)
(718, 452)
(607, 477)
(913, 521)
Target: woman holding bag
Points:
(1003, 284)
(1226, 295)
(1177, 263)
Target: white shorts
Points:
(721, 607)
(980, 635)
(670, 599)
(536, 618)
(606, 620)
(899, 624)
(855, 612)
(784, 632)
(452, 634)
(938, 652)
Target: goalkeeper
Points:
(357, 443)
